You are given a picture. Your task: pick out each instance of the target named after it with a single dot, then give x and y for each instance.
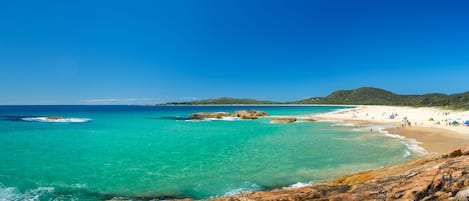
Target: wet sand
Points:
(433, 139)
(435, 136)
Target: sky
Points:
(143, 52)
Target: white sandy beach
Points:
(437, 129)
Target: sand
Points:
(430, 126)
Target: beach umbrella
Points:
(455, 123)
(466, 122)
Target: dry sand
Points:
(436, 135)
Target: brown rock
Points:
(250, 114)
(428, 178)
(455, 153)
(203, 115)
(441, 195)
(465, 151)
(283, 120)
(54, 118)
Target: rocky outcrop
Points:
(204, 115)
(437, 177)
(55, 118)
(242, 114)
(283, 120)
(250, 114)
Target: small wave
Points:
(56, 120)
(247, 186)
(298, 185)
(407, 154)
(415, 147)
(412, 145)
(13, 194)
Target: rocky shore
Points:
(242, 114)
(435, 177)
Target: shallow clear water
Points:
(145, 152)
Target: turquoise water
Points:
(140, 153)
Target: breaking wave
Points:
(56, 119)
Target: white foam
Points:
(248, 186)
(412, 145)
(346, 124)
(229, 118)
(298, 185)
(235, 191)
(56, 120)
(13, 194)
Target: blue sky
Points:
(134, 52)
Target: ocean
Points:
(146, 152)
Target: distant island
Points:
(359, 96)
(223, 101)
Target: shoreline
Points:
(436, 136)
(273, 105)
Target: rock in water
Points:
(55, 118)
(242, 114)
(250, 114)
(204, 115)
(283, 120)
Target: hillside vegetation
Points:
(375, 96)
(360, 96)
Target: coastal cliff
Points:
(435, 177)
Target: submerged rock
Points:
(283, 120)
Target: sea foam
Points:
(13, 194)
(298, 185)
(56, 120)
(411, 144)
(247, 186)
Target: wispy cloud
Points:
(120, 100)
(100, 100)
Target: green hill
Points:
(360, 96)
(364, 95)
(375, 96)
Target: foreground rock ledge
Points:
(436, 177)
